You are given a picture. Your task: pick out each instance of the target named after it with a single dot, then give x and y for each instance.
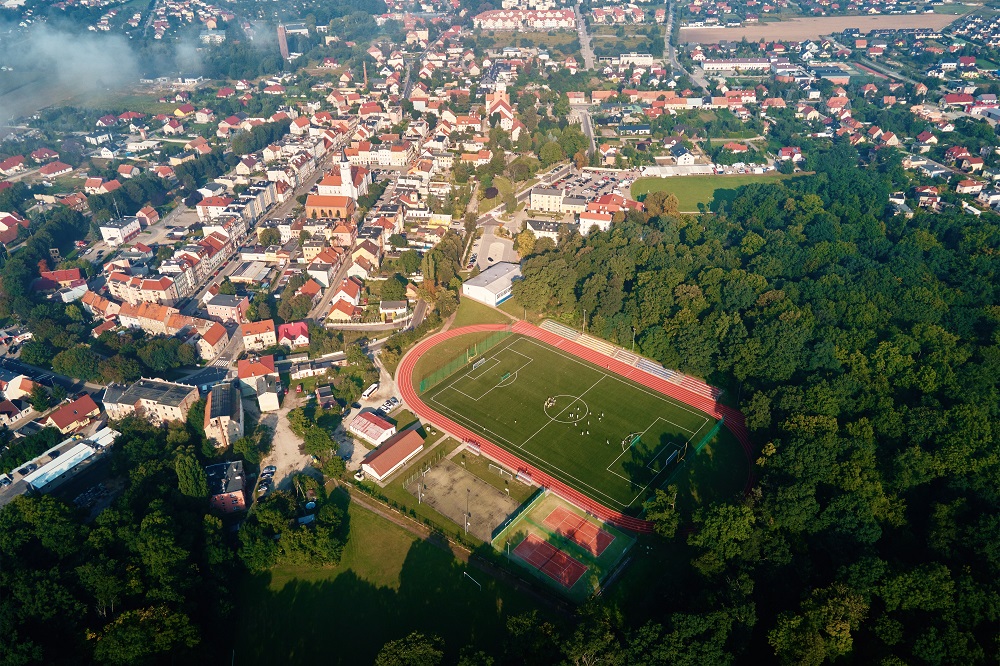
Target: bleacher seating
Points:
(597, 345)
(561, 330)
(626, 356)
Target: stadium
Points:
(598, 426)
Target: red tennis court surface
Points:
(551, 561)
(586, 534)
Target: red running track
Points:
(404, 380)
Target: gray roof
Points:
(225, 477)
(547, 191)
(497, 277)
(225, 300)
(222, 400)
(154, 390)
(544, 225)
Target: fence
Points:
(521, 510)
(462, 360)
(711, 434)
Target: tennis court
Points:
(576, 528)
(551, 561)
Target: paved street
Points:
(589, 62)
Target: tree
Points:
(79, 362)
(39, 398)
(525, 243)
(269, 236)
(394, 289)
(550, 153)
(191, 479)
(227, 287)
(398, 240)
(581, 159)
(661, 510)
(416, 649)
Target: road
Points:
(69, 383)
(588, 126)
(671, 49)
(589, 62)
(885, 70)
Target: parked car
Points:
(270, 469)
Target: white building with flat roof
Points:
(494, 285)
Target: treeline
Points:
(145, 582)
(259, 137)
(56, 229)
(863, 349)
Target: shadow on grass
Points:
(336, 616)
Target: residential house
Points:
(159, 401)
(259, 335)
(295, 334)
(226, 308)
(73, 416)
(223, 415)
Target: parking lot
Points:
(593, 184)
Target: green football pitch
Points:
(607, 437)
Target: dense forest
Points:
(863, 349)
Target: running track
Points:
(404, 380)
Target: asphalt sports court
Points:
(602, 434)
(452, 491)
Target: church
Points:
(348, 181)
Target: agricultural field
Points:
(801, 29)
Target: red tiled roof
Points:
(393, 451)
(73, 412)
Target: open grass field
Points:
(472, 312)
(599, 433)
(694, 190)
(388, 584)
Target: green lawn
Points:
(609, 438)
(694, 190)
(387, 584)
(952, 9)
(473, 312)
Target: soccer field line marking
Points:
(498, 384)
(553, 420)
(539, 462)
(615, 461)
(548, 466)
(656, 476)
(614, 375)
(484, 370)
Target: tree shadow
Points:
(336, 616)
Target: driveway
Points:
(286, 449)
(494, 248)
